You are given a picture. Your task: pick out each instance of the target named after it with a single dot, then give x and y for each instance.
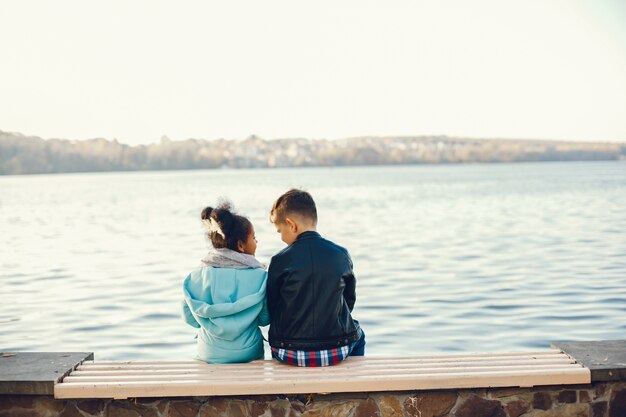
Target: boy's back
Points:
(310, 294)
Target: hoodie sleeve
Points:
(264, 315)
(188, 317)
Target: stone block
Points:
(257, 408)
(432, 404)
(617, 406)
(48, 405)
(367, 408)
(71, 410)
(282, 408)
(566, 410)
(130, 408)
(542, 401)
(331, 409)
(479, 407)
(599, 409)
(92, 407)
(18, 401)
(390, 407)
(517, 408)
(278, 411)
(209, 410)
(116, 409)
(259, 398)
(567, 397)
(214, 407)
(298, 406)
(600, 391)
(183, 408)
(584, 397)
(236, 408)
(19, 412)
(506, 392)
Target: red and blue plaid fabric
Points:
(312, 358)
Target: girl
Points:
(225, 297)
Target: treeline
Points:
(20, 154)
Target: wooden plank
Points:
(279, 369)
(344, 365)
(547, 352)
(289, 370)
(345, 383)
(324, 382)
(328, 370)
(234, 367)
(368, 358)
(296, 373)
(123, 379)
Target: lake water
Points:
(498, 257)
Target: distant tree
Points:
(20, 154)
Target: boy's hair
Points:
(296, 202)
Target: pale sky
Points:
(137, 70)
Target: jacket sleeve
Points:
(272, 295)
(349, 291)
(189, 318)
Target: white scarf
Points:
(227, 258)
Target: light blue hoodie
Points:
(227, 305)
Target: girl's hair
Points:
(235, 227)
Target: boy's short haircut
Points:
(296, 202)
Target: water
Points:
(448, 258)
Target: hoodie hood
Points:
(227, 258)
(225, 301)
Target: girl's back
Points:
(228, 306)
(225, 298)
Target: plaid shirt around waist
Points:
(312, 358)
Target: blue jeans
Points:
(358, 348)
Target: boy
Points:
(310, 290)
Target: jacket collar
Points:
(307, 235)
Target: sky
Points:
(137, 70)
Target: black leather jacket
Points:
(310, 294)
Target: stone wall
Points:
(596, 400)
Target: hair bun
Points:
(222, 214)
(206, 213)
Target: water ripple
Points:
(447, 258)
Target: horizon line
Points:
(254, 135)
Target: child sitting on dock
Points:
(310, 290)
(225, 298)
